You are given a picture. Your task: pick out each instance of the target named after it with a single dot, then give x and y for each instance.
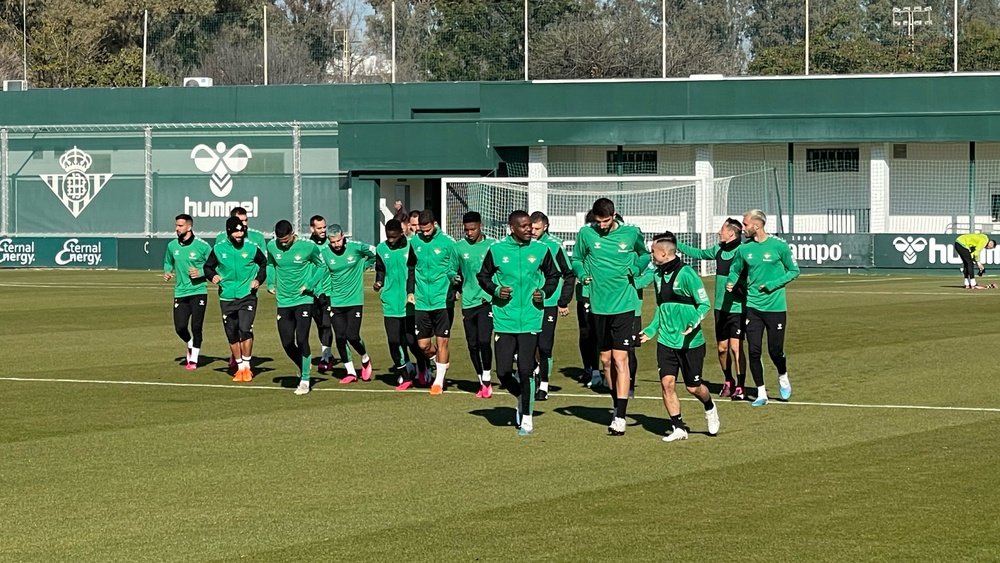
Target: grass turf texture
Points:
(123, 472)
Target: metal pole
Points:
(807, 37)
(24, 36)
(972, 187)
(148, 180)
(4, 184)
(145, 43)
(525, 39)
(663, 39)
(296, 176)
(954, 47)
(393, 63)
(264, 9)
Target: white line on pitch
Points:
(418, 391)
(873, 280)
(863, 292)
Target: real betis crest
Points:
(75, 189)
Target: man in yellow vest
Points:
(968, 247)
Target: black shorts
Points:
(614, 332)
(237, 318)
(729, 325)
(433, 323)
(321, 311)
(688, 362)
(636, 331)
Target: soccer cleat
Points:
(191, 366)
(617, 427)
(759, 402)
(422, 379)
(232, 362)
(247, 375)
(524, 431)
(676, 435)
(437, 389)
(541, 395)
(631, 394)
(487, 391)
(303, 388)
(349, 378)
(596, 381)
(727, 389)
(784, 387)
(187, 356)
(712, 418)
(404, 385)
(366, 371)
(323, 366)
(738, 394)
(481, 392)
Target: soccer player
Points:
(589, 353)
(321, 303)
(391, 256)
(968, 247)
(770, 267)
(238, 267)
(520, 274)
(423, 364)
(555, 306)
(681, 305)
(730, 316)
(187, 255)
(414, 223)
(250, 235)
(427, 286)
(296, 266)
(607, 257)
(346, 262)
(477, 312)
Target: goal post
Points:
(690, 206)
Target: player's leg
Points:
(303, 323)
(668, 366)
(621, 341)
(755, 347)
(602, 337)
(527, 345)
(338, 320)
(633, 355)
(285, 320)
(692, 364)
(396, 341)
(505, 346)
(355, 316)
(722, 328)
(246, 314)
(584, 340)
(441, 320)
(182, 315)
(776, 323)
(546, 341)
(231, 326)
(485, 329)
(423, 321)
(968, 265)
(199, 304)
(321, 316)
(472, 341)
(410, 326)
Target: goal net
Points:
(689, 206)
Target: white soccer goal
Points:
(690, 206)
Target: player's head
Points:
(241, 213)
(730, 230)
(317, 224)
(991, 244)
(284, 233)
(426, 222)
(664, 248)
(393, 231)
(520, 225)
(235, 230)
(539, 224)
(414, 223)
(398, 204)
(335, 236)
(753, 222)
(182, 225)
(604, 214)
(472, 225)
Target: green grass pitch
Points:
(222, 471)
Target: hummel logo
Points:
(357, 315)
(249, 307)
(305, 314)
(780, 326)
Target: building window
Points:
(632, 162)
(832, 160)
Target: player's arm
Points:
(696, 288)
(652, 328)
(568, 277)
(260, 259)
(791, 272)
(580, 252)
(486, 273)
(736, 268)
(697, 253)
(411, 272)
(646, 277)
(379, 273)
(367, 252)
(168, 265)
(211, 268)
(551, 274)
(319, 272)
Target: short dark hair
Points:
(426, 217)
(238, 211)
(186, 218)
(538, 216)
(666, 236)
(314, 218)
(604, 207)
(282, 228)
(733, 225)
(589, 218)
(393, 226)
(472, 217)
(517, 216)
(415, 213)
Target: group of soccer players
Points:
(512, 292)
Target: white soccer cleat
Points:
(784, 387)
(712, 417)
(303, 388)
(676, 435)
(617, 427)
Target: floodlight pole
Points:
(145, 43)
(954, 48)
(24, 37)
(807, 37)
(663, 39)
(526, 39)
(264, 10)
(393, 62)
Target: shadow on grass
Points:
(292, 381)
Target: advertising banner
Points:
(68, 252)
(830, 250)
(936, 251)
